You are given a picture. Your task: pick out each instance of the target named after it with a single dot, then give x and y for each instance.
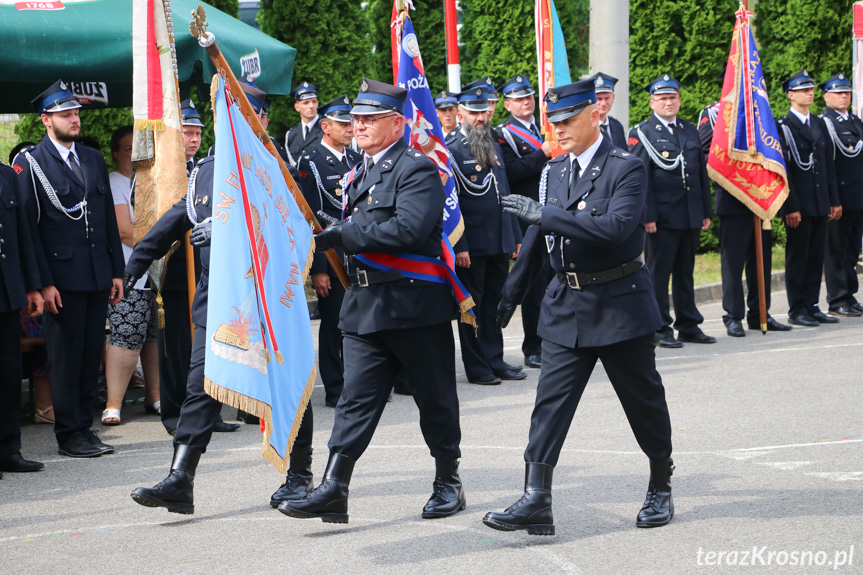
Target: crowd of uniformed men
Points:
(597, 234)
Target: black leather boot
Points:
(298, 480)
(448, 496)
(658, 508)
(533, 511)
(175, 491)
(329, 500)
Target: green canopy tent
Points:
(88, 43)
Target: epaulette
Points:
(559, 158)
(414, 153)
(621, 153)
(20, 166)
(205, 160)
(780, 120)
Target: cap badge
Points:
(488, 80)
(364, 87)
(479, 91)
(305, 84)
(841, 76)
(63, 86)
(552, 97)
(346, 101)
(518, 79)
(600, 81)
(805, 73)
(666, 78)
(192, 104)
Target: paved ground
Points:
(768, 442)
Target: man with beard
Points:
(843, 236)
(321, 170)
(524, 157)
(491, 237)
(308, 131)
(813, 201)
(80, 258)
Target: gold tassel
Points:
(267, 353)
(160, 311)
(766, 225)
(279, 357)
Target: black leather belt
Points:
(365, 278)
(576, 280)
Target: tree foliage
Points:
(793, 35)
(231, 7)
(689, 40)
(333, 49)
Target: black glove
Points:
(526, 209)
(202, 233)
(128, 283)
(331, 236)
(505, 309)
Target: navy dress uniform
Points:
(590, 228)
(391, 323)
(737, 249)
(844, 235)
(200, 413)
(19, 275)
(611, 128)
(300, 136)
(490, 237)
(678, 202)
(321, 172)
(812, 191)
(174, 341)
(524, 159)
(78, 248)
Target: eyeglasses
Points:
(368, 122)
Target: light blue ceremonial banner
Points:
(561, 61)
(260, 354)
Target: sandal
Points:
(155, 409)
(41, 415)
(110, 414)
(136, 381)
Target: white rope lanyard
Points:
(792, 145)
(467, 185)
(190, 197)
(322, 191)
(666, 164)
(837, 143)
(36, 169)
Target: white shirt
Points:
(307, 127)
(377, 157)
(666, 124)
(338, 155)
(527, 125)
(801, 117)
(64, 152)
(121, 191)
(583, 161)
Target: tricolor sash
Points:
(428, 269)
(529, 138)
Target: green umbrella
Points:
(88, 43)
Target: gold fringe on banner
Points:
(160, 311)
(155, 125)
(464, 308)
(279, 357)
(265, 412)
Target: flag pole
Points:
(759, 243)
(453, 68)
(198, 29)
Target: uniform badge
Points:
(665, 154)
(479, 91)
(478, 168)
(552, 97)
(338, 191)
(666, 78)
(805, 73)
(346, 101)
(305, 84)
(518, 79)
(582, 204)
(600, 81)
(364, 87)
(205, 199)
(473, 178)
(488, 81)
(841, 76)
(387, 163)
(329, 158)
(63, 85)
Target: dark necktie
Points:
(574, 180)
(534, 130)
(369, 162)
(75, 167)
(604, 128)
(305, 132)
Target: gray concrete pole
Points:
(609, 49)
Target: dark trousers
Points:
(74, 339)
(804, 263)
(840, 259)
(200, 412)
(671, 254)
(631, 368)
(372, 362)
(10, 382)
(330, 359)
(482, 349)
(175, 348)
(737, 252)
